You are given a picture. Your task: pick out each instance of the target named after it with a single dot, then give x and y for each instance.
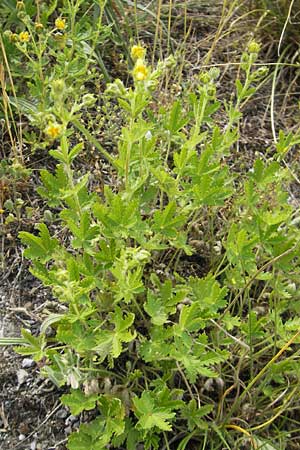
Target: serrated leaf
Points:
(231, 322)
(53, 185)
(34, 346)
(155, 308)
(190, 318)
(168, 221)
(77, 401)
(90, 436)
(77, 187)
(193, 414)
(84, 233)
(150, 415)
(121, 333)
(176, 119)
(75, 151)
(98, 433)
(166, 182)
(39, 247)
(208, 293)
(157, 419)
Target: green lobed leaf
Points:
(150, 415)
(77, 401)
(39, 247)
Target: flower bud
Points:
(89, 100)
(253, 47)
(214, 73)
(48, 216)
(23, 16)
(211, 90)
(20, 5)
(38, 26)
(7, 33)
(137, 52)
(58, 88)
(9, 205)
(61, 39)
(262, 71)
(204, 77)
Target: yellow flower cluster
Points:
(53, 130)
(60, 23)
(24, 36)
(140, 71)
(137, 52)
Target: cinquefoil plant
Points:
(139, 342)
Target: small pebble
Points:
(27, 363)
(76, 424)
(21, 375)
(71, 419)
(22, 437)
(33, 445)
(68, 430)
(61, 413)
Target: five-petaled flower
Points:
(53, 130)
(138, 52)
(24, 36)
(140, 71)
(60, 23)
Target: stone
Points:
(27, 363)
(61, 413)
(21, 375)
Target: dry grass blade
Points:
(8, 113)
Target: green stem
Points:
(94, 141)
(262, 372)
(166, 441)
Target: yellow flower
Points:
(38, 26)
(60, 23)
(140, 71)
(24, 36)
(1, 211)
(53, 130)
(138, 52)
